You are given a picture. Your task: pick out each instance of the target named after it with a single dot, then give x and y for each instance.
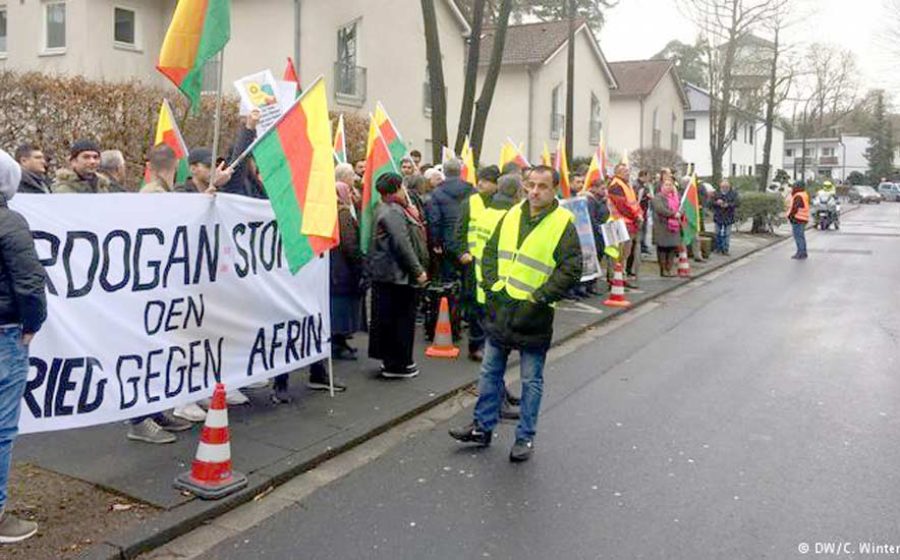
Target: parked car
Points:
(889, 192)
(862, 194)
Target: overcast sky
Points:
(638, 29)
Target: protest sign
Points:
(615, 232)
(152, 300)
(261, 91)
(590, 265)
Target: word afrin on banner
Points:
(153, 299)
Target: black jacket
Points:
(22, 281)
(346, 258)
(725, 214)
(443, 214)
(32, 183)
(397, 254)
(523, 324)
(244, 181)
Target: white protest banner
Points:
(153, 299)
(260, 91)
(615, 232)
(590, 265)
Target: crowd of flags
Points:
(296, 156)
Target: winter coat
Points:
(22, 278)
(32, 183)
(525, 324)
(662, 237)
(725, 214)
(67, 181)
(346, 258)
(189, 186)
(443, 212)
(156, 185)
(114, 186)
(397, 253)
(243, 182)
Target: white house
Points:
(647, 108)
(826, 158)
(745, 152)
(529, 103)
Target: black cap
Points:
(83, 145)
(799, 184)
(389, 183)
(200, 155)
(490, 173)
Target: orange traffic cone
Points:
(617, 291)
(443, 347)
(211, 476)
(684, 265)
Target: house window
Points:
(827, 152)
(673, 138)
(54, 26)
(734, 170)
(734, 133)
(210, 83)
(596, 124)
(557, 118)
(690, 129)
(789, 153)
(750, 134)
(807, 152)
(124, 30)
(350, 78)
(657, 140)
(2, 30)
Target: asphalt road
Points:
(741, 418)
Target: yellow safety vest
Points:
(476, 209)
(521, 270)
(487, 224)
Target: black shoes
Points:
(407, 372)
(521, 451)
(508, 411)
(471, 434)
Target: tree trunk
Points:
(720, 139)
(770, 116)
(436, 77)
(483, 106)
(468, 100)
(570, 82)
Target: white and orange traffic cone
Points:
(211, 476)
(617, 289)
(684, 265)
(443, 347)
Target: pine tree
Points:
(880, 153)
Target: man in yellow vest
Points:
(798, 215)
(468, 232)
(532, 259)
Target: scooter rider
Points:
(826, 199)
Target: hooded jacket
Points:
(67, 181)
(22, 280)
(443, 213)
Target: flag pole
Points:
(217, 125)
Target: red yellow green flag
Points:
(390, 133)
(594, 173)
(167, 133)
(510, 153)
(562, 167)
(294, 158)
(690, 210)
(378, 162)
(546, 160)
(290, 75)
(469, 173)
(340, 142)
(199, 30)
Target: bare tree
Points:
(474, 54)
(724, 24)
(833, 83)
(483, 105)
(436, 79)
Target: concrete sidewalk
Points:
(272, 444)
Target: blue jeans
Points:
(13, 374)
(723, 237)
(800, 238)
(491, 388)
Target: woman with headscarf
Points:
(666, 225)
(346, 277)
(397, 265)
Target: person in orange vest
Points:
(624, 205)
(798, 215)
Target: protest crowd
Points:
(439, 232)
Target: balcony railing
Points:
(828, 160)
(349, 83)
(557, 125)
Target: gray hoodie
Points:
(10, 176)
